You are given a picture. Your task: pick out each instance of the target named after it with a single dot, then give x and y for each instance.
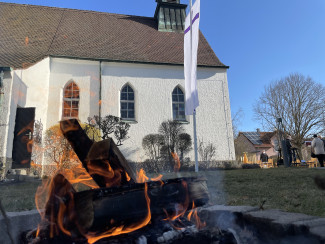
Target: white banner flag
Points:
(191, 44)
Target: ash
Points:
(158, 232)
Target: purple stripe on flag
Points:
(187, 30)
(195, 18)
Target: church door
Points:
(23, 138)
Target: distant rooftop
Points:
(259, 138)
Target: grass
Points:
(288, 189)
(18, 196)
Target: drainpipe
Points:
(2, 153)
(1, 80)
(1, 88)
(100, 92)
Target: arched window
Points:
(71, 101)
(178, 104)
(127, 103)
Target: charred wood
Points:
(116, 206)
(77, 138)
(102, 160)
(71, 213)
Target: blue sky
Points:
(261, 40)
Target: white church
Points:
(128, 66)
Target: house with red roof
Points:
(256, 142)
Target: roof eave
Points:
(134, 61)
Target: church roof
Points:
(30, 33)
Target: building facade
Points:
(75, 70)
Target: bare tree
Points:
(184, 144)
(236, 120)
(298, 100)
(170, 130)
(37, 152)
(170, 140)
(103, 127)
(206, 151)
(57, 149)
(152, 145)
(121, 131)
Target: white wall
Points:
(29, 89)
(153, 86)
(86, 75)
(42, 85)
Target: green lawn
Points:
(18, 196)
(288, 189)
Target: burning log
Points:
(103, 160)
(117, 210)
(116, 206)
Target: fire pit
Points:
(111, 203)
(114, 199)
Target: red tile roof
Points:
(30, 33)
(266, 137)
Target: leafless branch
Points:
(298, 100)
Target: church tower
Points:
(170, 15)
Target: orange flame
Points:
(127, 177)
(158, 178)
(141, 176)
(29, 127)
(38, 230)
(80, 176)
(112, 177)
(32, 164)
(193, 213)
(61, 215)
(177, 165)
(26, 41)
(181, 208)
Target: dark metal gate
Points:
(23, 138)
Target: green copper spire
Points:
(170, 15)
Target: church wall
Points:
(36, 78)
(153, 86)
(86, 75)
(29, 89)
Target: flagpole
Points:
(195, 142)
(194, 112)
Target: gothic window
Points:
(178, 104)
(71, 101)
(127, 103)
